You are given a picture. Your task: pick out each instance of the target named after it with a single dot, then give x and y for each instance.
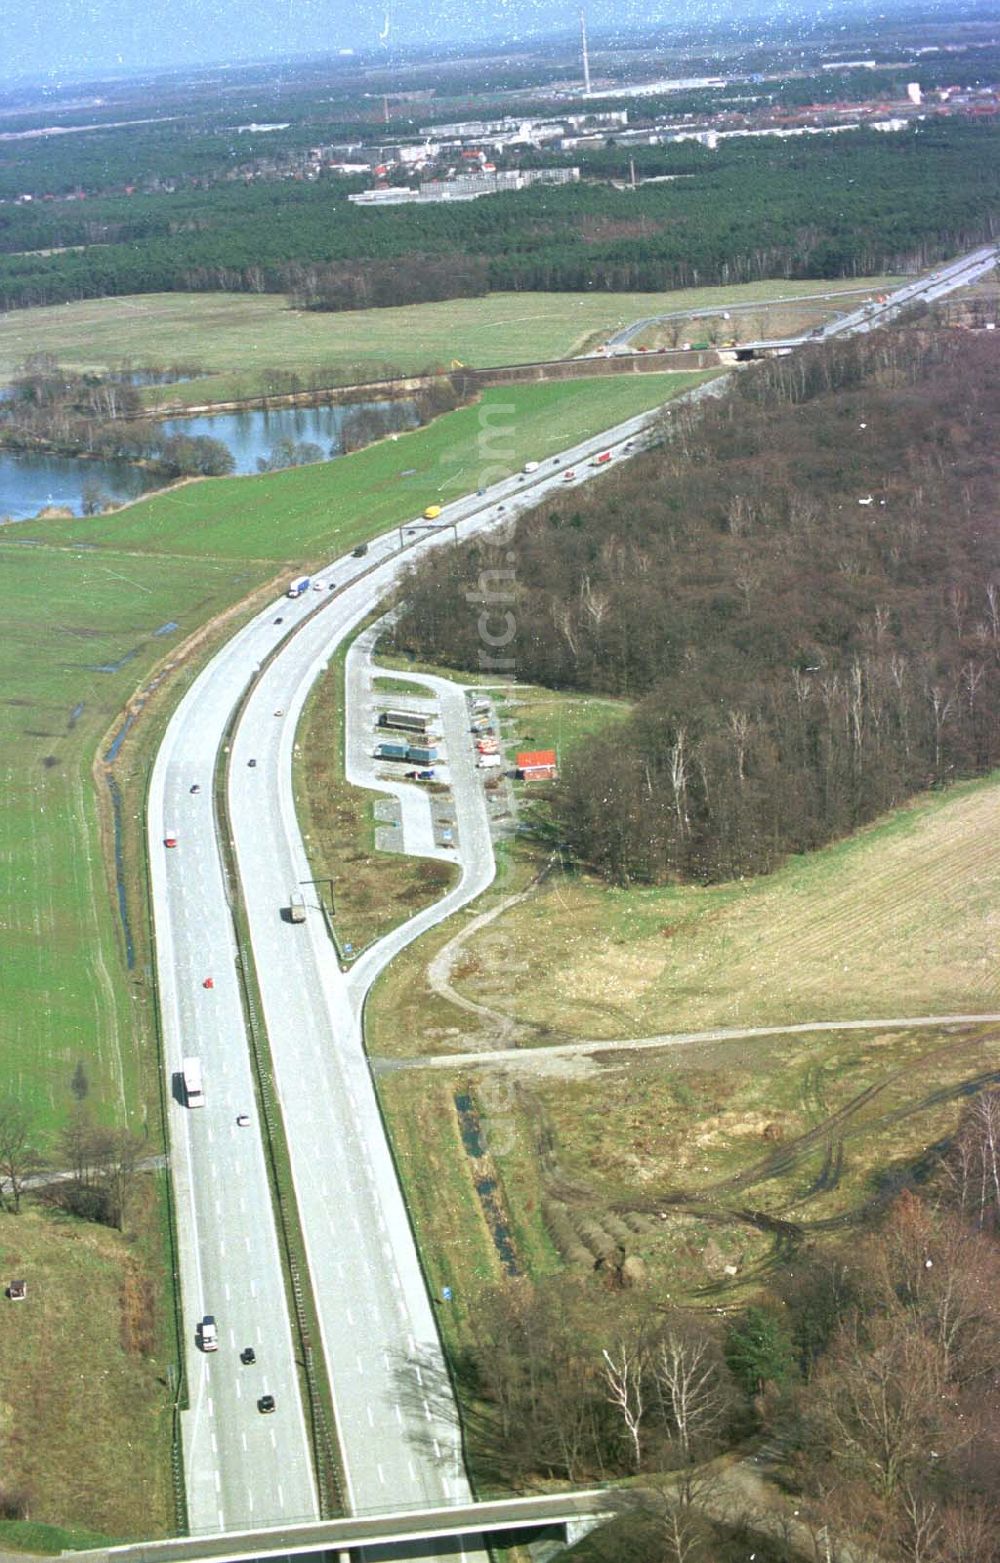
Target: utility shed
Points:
(537, 765)
(17, 1291)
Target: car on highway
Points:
(425, 776)
(360, 551)
(280, 711)
(248, 1356)
(447, 836)
(208, 1333)
(266, 1404)
(252, 764)
(279, 621)
(318, 586)
(243, 1120)
(195, 787)
(170, 840)
(568, 474)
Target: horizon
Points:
(48, 39)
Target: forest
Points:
(799, 588)
(854, 204)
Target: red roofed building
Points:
(537, 765)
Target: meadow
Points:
(233, 338)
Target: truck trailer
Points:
(298, 587)
(194, 1090)
(406, 721)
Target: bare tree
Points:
(623, 1375)
(690, 1379)
(19, 1154)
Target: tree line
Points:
(800, 590)
(51, 409)
(871, 1365)
(850, 205)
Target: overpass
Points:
(388, 1536)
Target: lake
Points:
(29, 483)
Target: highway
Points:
(396, 1415)
(867, 317)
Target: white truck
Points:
(297, 587)
(194, 1090)
(296, 907)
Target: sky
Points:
(87, 36)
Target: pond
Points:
(251, 436)
(29, 483)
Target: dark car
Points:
(360, 551)
(279, 621)
(251, 763)
(266, 1403)
(248, 1356)
(195, 787)
(425, 776)
(411, 775)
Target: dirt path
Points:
(540, 1058)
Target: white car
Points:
(209, 1332)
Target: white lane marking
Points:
(380, 1476)
(218, 1482)
(359, 1364)
(281, 1497)
(371, 1416)
(227, 1292)
(215, 1444)
(274, 1443)
(244, 1438)
(211, 1406)
(348, 1315)
(427, 1411)
(416, 1369)
(437, 1450)
(399, 1415)
(409, 1467)
(239, 1390)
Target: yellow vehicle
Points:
(432, 512)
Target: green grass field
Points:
(306, 513)
(236, 336)
(84, 1420)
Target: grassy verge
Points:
(373, 891)
(236, 338)
(400, 686)
(86, 1410)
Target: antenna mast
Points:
(586, 57)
